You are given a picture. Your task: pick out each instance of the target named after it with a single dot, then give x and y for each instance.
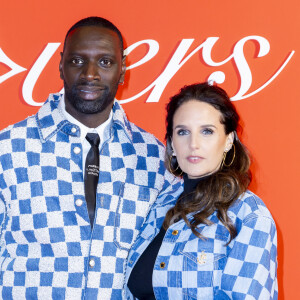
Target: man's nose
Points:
(91, 71)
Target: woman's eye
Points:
(77, 61)
(182, 132)
(207, 131)
(105, 62)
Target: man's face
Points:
(91, 67)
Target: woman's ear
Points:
(173, 150)
(229, 141)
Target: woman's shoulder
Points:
(249, 206)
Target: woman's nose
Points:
(194, 141)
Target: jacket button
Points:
(77, 150)
(92, 263)
(78, 202)
(162, 265)
(175, 232)
(73, 129)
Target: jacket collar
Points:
(120, 119)
(50, 119)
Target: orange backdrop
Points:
(252, 45)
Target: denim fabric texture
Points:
(47, 247)
(188, 267)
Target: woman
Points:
(219, 240)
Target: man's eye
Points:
(77, 61)
(207, 131)
(105, 62)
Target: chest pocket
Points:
(134, 204)
(202, 263)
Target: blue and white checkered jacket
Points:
(188, 267)
(47, 247)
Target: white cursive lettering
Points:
(178, 59)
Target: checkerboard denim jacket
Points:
(188, 267)
(47, 248)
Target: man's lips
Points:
(90, 88)
(194, 159)
(90, 92)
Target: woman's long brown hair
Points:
(220, 190)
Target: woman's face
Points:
(199, 138)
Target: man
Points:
(56, 243)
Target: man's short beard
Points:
(89, 106)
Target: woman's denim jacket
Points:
(188, 267)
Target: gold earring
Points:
(224, 157)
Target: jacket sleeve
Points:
(250, 271)
(2, 212)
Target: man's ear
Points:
(60, 66)
(123, 70)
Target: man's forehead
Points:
(91, 37)
(91, 33)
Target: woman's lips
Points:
(194, 159)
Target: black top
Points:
(140, 280)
